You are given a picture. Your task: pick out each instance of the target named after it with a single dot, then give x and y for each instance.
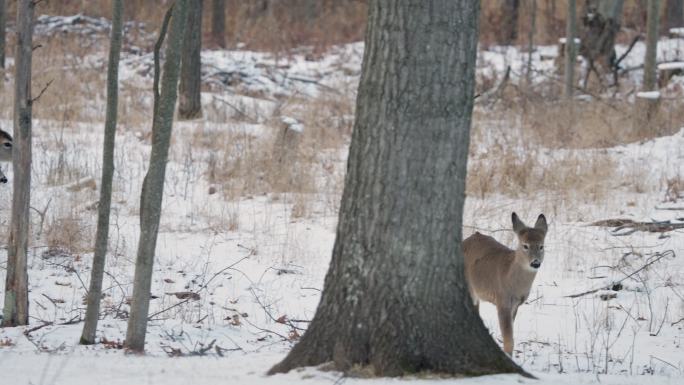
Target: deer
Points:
(5, 151)
(503, 276)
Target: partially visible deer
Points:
(5, 151)
(503, 276)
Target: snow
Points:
(648, 95)
(253, 261)
(671, 65)
(562, 40)
(677, 31)
(292, 124)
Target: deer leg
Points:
(506, 324)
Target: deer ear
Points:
(541, 223)
(518, 225)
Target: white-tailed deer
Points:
(503, 276)
(5, 151)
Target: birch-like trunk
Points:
(190, 105)
(395, 299)
(104, 206)
(153, 184)
(16, 309)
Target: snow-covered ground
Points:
(257, 263)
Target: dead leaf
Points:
(186, 295)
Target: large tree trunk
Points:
(510, 10)
(190, 106)
(153, 184)
(218, 22)
(395, 298)
(674, 11)
(650, 70)
(104, 206)
(570, 49)
(16, 283)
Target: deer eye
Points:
(526, 246)
(7, 144)
(541, 247)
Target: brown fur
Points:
(5, 151)
(504, 276)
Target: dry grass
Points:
(69, 230)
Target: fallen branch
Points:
(633, 226)
(654, 258)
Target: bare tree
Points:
(395, 297)
(570, 49)
(104, 206)
(190, 106)
(153, 184)
(218, 22)
(16, 309)
(650, 70)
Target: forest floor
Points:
(250, 209)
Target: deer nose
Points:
(535, 264)
(3, 180)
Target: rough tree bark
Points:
(570, 49)
(104, 206)
(16, 282)
(674, 11)
(190, 106)
(510, 10)
(218, 23)
(395, 299)
(650, 70)
(153, 184)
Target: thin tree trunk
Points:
(3, 13)
(650, 70)
(674, 11)
(16, 284)
(190, 106)
(395, 299)
(153, 184)
(509, 28)
(104, 206)
(530, 41)
(570, 49)
(218, 22)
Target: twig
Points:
(149, 318)
(616, 65)
(33, 329)
(41, 92)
